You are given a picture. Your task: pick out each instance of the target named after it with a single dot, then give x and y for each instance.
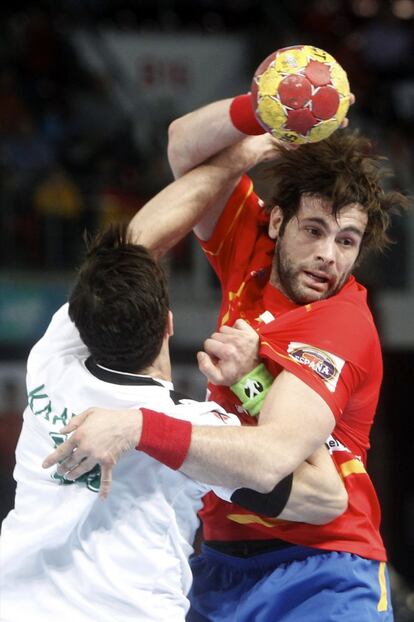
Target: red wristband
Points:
(242, 116)
(165, 438)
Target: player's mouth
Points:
(317, 280)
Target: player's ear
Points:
(276, 218)
(170, 324)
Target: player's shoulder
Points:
(352, 293)
(348, 306)
(60, 329)
(60, 339)
(352, 307)
(244, 198)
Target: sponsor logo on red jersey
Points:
(326, 365)
(316, 360)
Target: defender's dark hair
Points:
(119, 302)
(343, 169)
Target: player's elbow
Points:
(330, 508)
(267, 478)
(176, 148)
(173, 133)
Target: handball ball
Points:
(300, 94)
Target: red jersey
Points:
(332, 345)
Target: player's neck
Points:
(161, 367)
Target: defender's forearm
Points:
(175, 211)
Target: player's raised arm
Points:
(198, 135)
(198, 195)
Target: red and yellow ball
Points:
(300, 94)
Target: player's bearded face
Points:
(317, 252)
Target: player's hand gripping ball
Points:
(300, 94)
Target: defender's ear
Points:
(276, 218)
(170, 324)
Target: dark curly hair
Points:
(119, 302)
(344, 169)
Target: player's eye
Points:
(347, 242)
(313, 231)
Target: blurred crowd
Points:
(68, 159)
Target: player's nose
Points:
(326, 249)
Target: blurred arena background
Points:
(87, 90)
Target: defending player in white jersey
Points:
(66, 554)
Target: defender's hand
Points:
(229, 354)
(250, 151)
(99, 436)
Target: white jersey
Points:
(66, 555)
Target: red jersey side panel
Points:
(331, 345)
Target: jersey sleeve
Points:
(235, 234)
(328, 346)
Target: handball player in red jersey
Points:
(286, 270)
